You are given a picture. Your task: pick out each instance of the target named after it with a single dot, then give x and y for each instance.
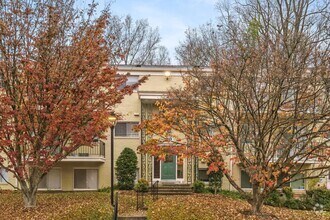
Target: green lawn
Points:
(64, 205)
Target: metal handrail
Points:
(115, 208)
(154, 190)
(97, 149)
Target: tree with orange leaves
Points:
(57, 90)
(264, 106)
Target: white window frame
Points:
(176, 170)
(130, 82)
(294, 189)
(49, 189)
(130, 137)
(86, 168)
(4, 179)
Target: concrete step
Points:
(175, 184)
(174, 190)
(174, 193)
(172, 187)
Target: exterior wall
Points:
(160, 83)
(134, 108)
(67, 172)
(6, 186)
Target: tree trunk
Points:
(257, 200)
(256, 206)
(30, 198)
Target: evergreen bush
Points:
(215, 181)
(126, 166)
(142, 186)
(199, 186)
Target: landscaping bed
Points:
(61, 205)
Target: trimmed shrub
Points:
(126, 166)
(231, 194)
(318, 199)
(142, 186)
(319, 196)
(274, 199)
(294, 204)
(215, 181)
(105, 189)
(199, 186)
(288, 192)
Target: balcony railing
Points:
(96, 151)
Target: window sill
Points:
(45, 189)
(85, 189)
(123, 137)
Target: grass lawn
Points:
(63, 205)
(208, 206)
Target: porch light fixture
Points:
(113, 121)
(167, 75)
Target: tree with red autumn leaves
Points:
(265, 104)
(57, 90)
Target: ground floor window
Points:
(179, 168)
(202, 174)
(3, 176)
(85, 178)
(156, 168)
(52, 180)
(298, 184)
(245, 180)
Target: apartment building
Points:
(89, 168)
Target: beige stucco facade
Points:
(93, 167)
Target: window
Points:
(1, 81)
(245, 180)
(156, 168)
(179, 168)
(246, 134)
(298, 184)
(85, 178)
(3, 176)
(131, 80)
(202, 175)
(52, 180)
(125, 129)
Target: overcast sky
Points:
(172, 17)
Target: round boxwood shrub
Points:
(126, 166)
(142, 186)
(199, 186)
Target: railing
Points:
(154, 190)
(97, 149)
(115, 208)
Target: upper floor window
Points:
(125, 129)
(131, 80)
(3, 176)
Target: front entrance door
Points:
(168, 168)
